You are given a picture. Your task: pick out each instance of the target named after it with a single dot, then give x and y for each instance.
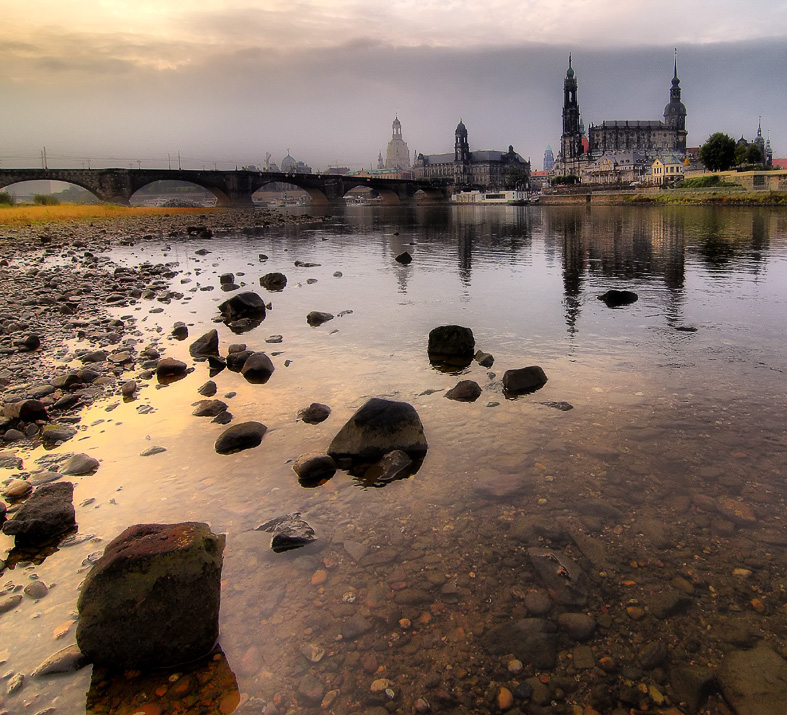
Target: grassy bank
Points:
(718, 196)
(27, 215)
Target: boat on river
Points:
(508, 198)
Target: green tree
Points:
(718, 152)
(45, 200)
(740, 152)
(6, 199)
(518, 177)
(754, 154)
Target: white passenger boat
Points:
(510, 198)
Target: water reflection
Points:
(206, 687)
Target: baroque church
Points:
(479, 169)
(632, 143)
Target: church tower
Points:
(461, 154)
(571, 139)
(675, 112)
(397, 155)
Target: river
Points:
(662, 474)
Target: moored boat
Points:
(509, 198)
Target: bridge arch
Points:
(172, 188)
(17, 187)
(389, 196)
(317, 196)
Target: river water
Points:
(669, 471)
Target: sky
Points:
(225, 82)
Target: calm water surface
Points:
(678, 395)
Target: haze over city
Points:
(121, 83)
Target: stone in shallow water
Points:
(80, 465)
(245, 435)
(451, 345)
(152, 599)
(315, 413)
(754, 681)
(614, 298)
(531, 640)
(464, 391)
(289, 532)
(563, 578)
(523, 380)
(67, 660)
(207, 344)
(48, 513)
(313, 468)
(317, 317)
(378, 427)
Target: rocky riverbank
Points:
(56, 289)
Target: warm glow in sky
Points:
(299, 72)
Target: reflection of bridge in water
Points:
(231, 188)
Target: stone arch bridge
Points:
(231, 188)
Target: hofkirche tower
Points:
(571, 140)
(675, 111)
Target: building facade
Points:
(477, 169)
(618, 150)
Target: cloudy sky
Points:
(119, 82)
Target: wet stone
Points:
(563, 578)
(583, 657)
(315, 413)
(754, 681)
(538, 603)
(464, 391)
(289, 531)
(579, 626)
(669, 603)
(355, 626)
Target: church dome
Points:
(287, 163)
(461, 129)
(396, 122)
(675, 108)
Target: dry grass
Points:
(27, 215)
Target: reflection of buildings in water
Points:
(621, 244)
(728, 240)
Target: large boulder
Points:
(257, 368)
(48, 513)
(243, 305)
(379, 427)
(152, 600)
(205, 345)
(451, 345)
(524, 380)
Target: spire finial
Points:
(676, 63)
(569, 60)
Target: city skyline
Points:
(325, 79)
